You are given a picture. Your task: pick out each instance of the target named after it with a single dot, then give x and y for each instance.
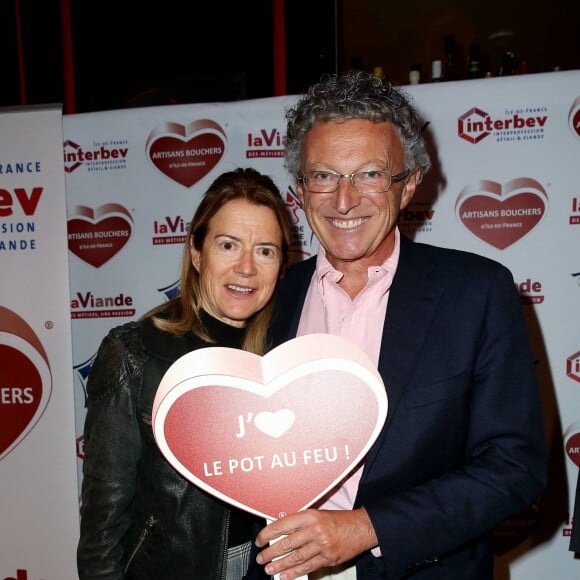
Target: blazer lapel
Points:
(412, 302)
(290, 300)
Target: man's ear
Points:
(300, 192)
(410, 188)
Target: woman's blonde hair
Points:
(182, 313)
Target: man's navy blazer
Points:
(575, 539)
(463, 446)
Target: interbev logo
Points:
(516, 125)
(26, 381)
(17, 214)
(573, 366)
(105, 155)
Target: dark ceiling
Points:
(127, 53)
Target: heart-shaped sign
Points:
(95, 236)
(502, 215)
(25, 378)
(186, 153)
(271, 434)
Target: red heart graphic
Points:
(270, 434)
(500, 216)
(572, 443)
(96, 236)
(186, 154)
(25, 379)
(574, 117)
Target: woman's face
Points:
(239, 262)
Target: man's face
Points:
(350, 225)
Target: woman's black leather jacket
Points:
(140, 518)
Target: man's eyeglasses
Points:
(373, 181)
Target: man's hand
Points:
(312, 539)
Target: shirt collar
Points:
(325, 268)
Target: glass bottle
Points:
(473, 70)
(436, 68)
(450, 63)
(415, 74)
(507, 64)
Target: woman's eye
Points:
(227, 245)
(267, 253)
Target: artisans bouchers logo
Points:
(517, 125)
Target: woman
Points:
(140, 518)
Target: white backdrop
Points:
(38, 483)
(504, 184)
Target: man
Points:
(575, 539)
(462, 449)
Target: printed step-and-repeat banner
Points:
(504, 184)
(39, 511)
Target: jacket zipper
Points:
(226, 543)
(149, 524)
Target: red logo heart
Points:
(95, 236)
(186, 153)
(572, 443)
(25, 379)
(574, 118)
(502, 215)
(270, 434)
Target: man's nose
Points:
(347, 195)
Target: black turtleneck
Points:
(243, 525)
(222, 333)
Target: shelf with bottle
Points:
(474, 63)
(451, 62)
(448, 67)
(415, 74)
(475, 66)
(436, 71)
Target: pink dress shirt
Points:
(329, 309)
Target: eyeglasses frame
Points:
(394, 179)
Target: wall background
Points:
(504, 184)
